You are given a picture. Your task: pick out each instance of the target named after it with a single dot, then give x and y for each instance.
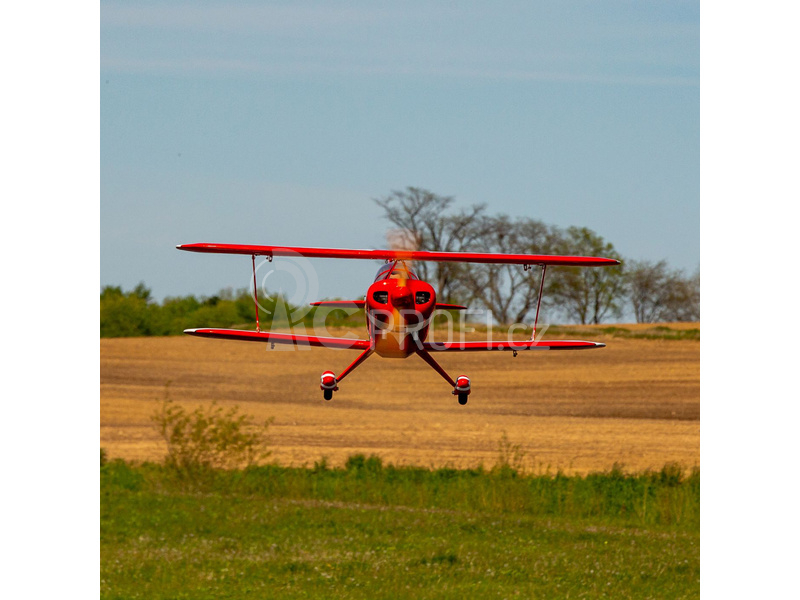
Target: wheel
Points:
(462, 399)
(327, 394)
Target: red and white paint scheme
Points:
(398, 307)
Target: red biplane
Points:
(398, 307)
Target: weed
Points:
(321, 465)
(362, 465)
(208, 438)
(510, 458)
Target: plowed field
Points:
(635, 402)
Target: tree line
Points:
(428, 221)
(135, 313)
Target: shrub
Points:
(362, 465)
(209, 438)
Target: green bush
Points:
(209, 438)
(363, 465)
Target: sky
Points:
(280, 123)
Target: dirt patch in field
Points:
(635, 402)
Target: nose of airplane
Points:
(402, 297)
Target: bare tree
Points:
(658, 294)
(587, 294)
(424, 216)
(509, 291)
(683, 298)
(647, 287)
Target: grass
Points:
(373, 531)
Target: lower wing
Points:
(281, 338)
(510, 345)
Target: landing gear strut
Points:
(461, 386)
(329, 383)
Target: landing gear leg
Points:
(329, 383)
(461, 386)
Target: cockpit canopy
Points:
(395, 270)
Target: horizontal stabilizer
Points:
(340, 303)
(280, 338)
(361, 303)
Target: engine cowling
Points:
(398, 312)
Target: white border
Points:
(50, 188)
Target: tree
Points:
(683, 300)
(587, 294)
(127, 313)
(425, 223)
(647, 288)
(509, 291)
(658, 294)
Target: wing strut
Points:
(539, 302)
(255, 293)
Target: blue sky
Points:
(278, 123)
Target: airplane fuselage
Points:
(398, 311)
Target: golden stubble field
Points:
(635, 402)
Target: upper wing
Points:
(280, 338)
(511, 345)
(473, 257)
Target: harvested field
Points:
(635, 402)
